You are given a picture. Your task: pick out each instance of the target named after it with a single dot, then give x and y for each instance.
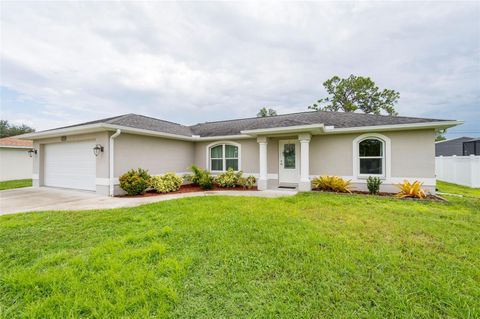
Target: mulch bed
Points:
(429, 198)
(189, 188)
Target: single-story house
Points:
(283, 150)
(452, 146)
(15, 160)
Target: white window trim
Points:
(386, 163)
(208, 163)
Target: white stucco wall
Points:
(15, 163)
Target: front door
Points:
(288, 161)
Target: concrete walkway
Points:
(45, 198)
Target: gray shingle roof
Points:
(234, 127)
(140, 122)
(152, 124)
(336, 119)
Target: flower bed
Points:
(429, 197)
(189, 188)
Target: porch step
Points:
(287, 187)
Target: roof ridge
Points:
(154, 118)
(304, 112)
(109, 120)
(254, 117)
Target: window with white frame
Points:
(223, 157)
(371, 156)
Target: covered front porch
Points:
(284, 155)
(284, 162)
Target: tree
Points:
(264, 112)
(7, 129)
(440, 135)
(356, 93)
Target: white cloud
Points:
(191, 62)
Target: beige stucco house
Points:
(281, 151)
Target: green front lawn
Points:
(450, 188)
(18, 183)
(314, 255)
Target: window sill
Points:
(382, 177)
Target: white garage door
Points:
(70, 165)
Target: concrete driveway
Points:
(45, 198)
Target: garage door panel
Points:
(70, 165)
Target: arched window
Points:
(224, 156)
(371, 156)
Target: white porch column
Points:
(262, 181)
(305, 184)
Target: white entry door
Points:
(288, 161)
(70, 165)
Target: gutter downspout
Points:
(111, 153)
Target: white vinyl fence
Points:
(463, 170)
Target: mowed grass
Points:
(314, 255)
(451, 188)
(18, 183)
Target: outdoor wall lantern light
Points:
(31, 152)
(97, 149)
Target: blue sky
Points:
(64, 63)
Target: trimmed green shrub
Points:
(246, 182)
(166, 183)
(373, 185)
(201, 177)
(197, 174)
(229, 178)
(135, 182)
(206, 181)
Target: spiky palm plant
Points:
(413, 190)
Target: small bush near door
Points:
(373, 185)
(247, 182)
(332, 184)
(232, 179)
(166, 183)
(251, 181)
(135, 181)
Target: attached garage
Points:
(70, 165)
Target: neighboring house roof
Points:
(12, 142)
(318, 119)
(451, 147)
(456, 140)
